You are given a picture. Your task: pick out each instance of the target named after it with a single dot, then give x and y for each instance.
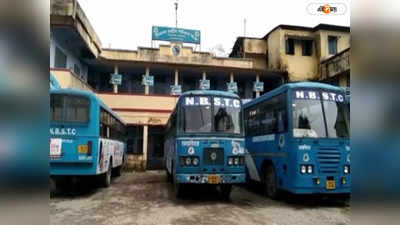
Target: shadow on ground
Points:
(301, 201)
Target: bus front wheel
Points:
(226, 190)
(271, 189)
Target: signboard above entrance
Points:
(175, 35)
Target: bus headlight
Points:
(230, 161)
(346, 169)
(303, 169)
(188, 161)
(195, 161)
(309, 169)
(236, 161)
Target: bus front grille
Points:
(329, 160)
(213, 156)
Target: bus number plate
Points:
(330, 184)
(83, 149)
(214, 179)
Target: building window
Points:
(290, 46)
(307, 47)
(60, 60)
(332, 44)
(77, 70)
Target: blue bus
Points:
(205, 141)
(86, 137)
(297, 138)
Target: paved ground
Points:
(146, 198)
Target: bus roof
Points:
(210, 92)
(287, 86)
(93, 97)
(53, 82)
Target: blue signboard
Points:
(204, 84)
(148, 80)
(116, 79)
(232, 87)
(176, 89)
(175, 35)
(258, 86)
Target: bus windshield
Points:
(211, 114)
(69, 108)
(320, 114)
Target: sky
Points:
(126, 24)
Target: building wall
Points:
(71, 59)
(275, 52)
(343, 42)
(67, 79)
(255, 46)
(299, 67)
(141, 109)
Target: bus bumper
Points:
(210, 178)
(73, 169)
(319, 185)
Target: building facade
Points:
(78, 60)
(285, 54)
(319, 53)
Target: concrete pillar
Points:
(231, 77)
(204, 75)
(145, 140)
(146, 87)
(176, 76)
(115, 87)
(257, 80)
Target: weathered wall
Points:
(299, 67)
(255, 46)
(186, 57)
(275, 50)
(343, 42)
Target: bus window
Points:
(56, 107)
(308, 119)
(337, 119)
(226, 120)
(69, 108)
(77, 109)
(196, 118)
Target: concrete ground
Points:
(146, 198)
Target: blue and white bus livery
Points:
(297, 137)
(86, 137)
(205, 141)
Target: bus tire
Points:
(118, 170)
(226, 190)
(169, 176)
(271, 189)
(178, 187)
(106, 177)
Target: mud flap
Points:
(251, 167)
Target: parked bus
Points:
(205, 141)
(297, 137)
(86, 137)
